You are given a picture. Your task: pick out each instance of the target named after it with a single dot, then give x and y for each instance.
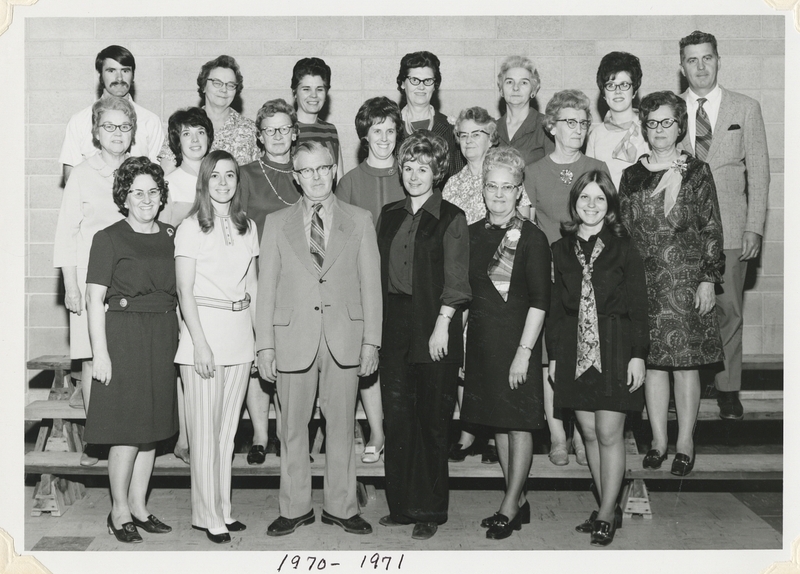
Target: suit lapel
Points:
(342, 227)
(685, 144)
(294, 230)
(723, 120)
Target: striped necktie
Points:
(317, 238)
(702, 138)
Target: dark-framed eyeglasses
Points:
(572, 123)
(308, 172)
(464, 136)
(416, 81)
(665, 123)
(612, 87)
(111, 128)
(283, 130)
(219, 84)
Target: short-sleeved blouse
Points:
(237, 136)
(182, 189)
(222, 258)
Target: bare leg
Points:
(609, 426)
(656, 393)
(258, 407)
(587, 422)
(86, 389)
(520, 457)
(467, 438)
(687, 403)
(371, 399)
(140, 480)
(121, 459)
(557, 433)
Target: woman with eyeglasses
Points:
(619, 140)
(131, 301)
(417, 81)
(311, 82)
(669, 205)
(509, 274)
(219, 83)
(266, 185)
(215, 264)
(522, 126)
(476, 133)
(547, 182)
(87, 206)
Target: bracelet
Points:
(526, 347)
(448, 317)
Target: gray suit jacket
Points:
(295, 303)
(739, 162)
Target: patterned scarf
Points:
(625, 150)
(670, 181)
(502, 263)
(588, 334)
(407, 120)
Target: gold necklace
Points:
(275, 191)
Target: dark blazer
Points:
(428, 277)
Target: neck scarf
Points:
(670, 182)
(588, 332)
(625, 150)
(407, 119)
(502, 263)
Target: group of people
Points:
(451, 248)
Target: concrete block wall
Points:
(364, 54)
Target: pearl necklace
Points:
(275, 191)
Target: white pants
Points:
(213, 407)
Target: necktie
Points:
(588, 335)
(702, 138)
(317, 238)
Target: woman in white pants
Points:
(215, 248)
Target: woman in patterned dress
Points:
(669, 205)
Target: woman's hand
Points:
(636, 373)
(101, 368)
(704, 299)
(518, 373)
(203, 360)
(437, 344)
(551, 372)
(73, 301)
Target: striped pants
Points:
(213, 407)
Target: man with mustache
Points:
(116, 66)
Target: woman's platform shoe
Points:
(127, 533)
(587, 525)
(524, 514)
(682, 464)
(653, 459)
(502, 527)
(152, 525)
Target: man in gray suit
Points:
(726, 131)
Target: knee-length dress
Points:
(139, 405)
(679, 251)
(618, 281)
(495, 327)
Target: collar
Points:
(379, 171)
(713, 96)
(432, 205)
(327, 203)
(604, 234)
(277, 165)
(97, 163)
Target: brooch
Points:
(566, 176)
(679, 165)
(513, 234)
(170, 231)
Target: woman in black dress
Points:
(597, 336)
(509, 274)
(132, 270)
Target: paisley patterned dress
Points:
(679, 251)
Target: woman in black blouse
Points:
(597, 336)
(424, 246)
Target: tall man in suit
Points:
(318, 324)
(726, 131)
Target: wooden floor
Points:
(681, 520)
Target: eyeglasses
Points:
(283, 130)
(665, 123)
(612, 87)
(140, 193)
(111, 128)
(574, 123)
(464, 136)
(219, 84)
(416, 81)
(308, 172)
(492, 187)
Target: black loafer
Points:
(223, 538)
(152, 525)
(653, 459)
(235, 526)
(503, 527)
(389, 521)
(730, 407)
(603, 533)
(127, 533)
(682, 464)
(424, 530)
(283, 526)
(587, 526)
(489, 520)
(257, 454)
(458, 454)
(354, 525)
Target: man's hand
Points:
(369, 360)
(751, 246)
(267, 368)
